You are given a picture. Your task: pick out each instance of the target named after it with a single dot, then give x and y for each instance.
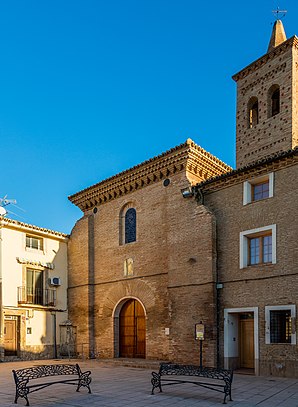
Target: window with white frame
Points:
(280, 324)
(258, 188)
(34, 242)
(258, 246)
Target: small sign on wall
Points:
(200, 332)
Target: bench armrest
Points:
(84, 380)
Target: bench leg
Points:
(22, 391)
(84, 385)
(160, 389)
(84, 381)
(156, 383)
(25, 397)
(228, 392)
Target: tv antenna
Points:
(5, 202)
(279, 14)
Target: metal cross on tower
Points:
(279, 14)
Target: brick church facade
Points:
(182, 239)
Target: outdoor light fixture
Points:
(187, 192)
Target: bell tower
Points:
(267, 101)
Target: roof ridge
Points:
(188, 143)
(4, 221)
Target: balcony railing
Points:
(37, 296)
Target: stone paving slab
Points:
(119, 386)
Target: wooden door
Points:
(10, 337)
(132, 329)
(247, 342)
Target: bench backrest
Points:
(192, 370)
(45, 370)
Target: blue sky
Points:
(90, 88)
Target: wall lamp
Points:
(187, 192)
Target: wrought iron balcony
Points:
(37, 296)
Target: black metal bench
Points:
(208, 373)
(23, 377)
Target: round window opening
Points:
(166, 182)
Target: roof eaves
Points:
(129, 170)
(249, 167)
(184, 148)
(265, 58)
(21, 225)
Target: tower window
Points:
(253, 112)
(273, 101)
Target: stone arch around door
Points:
(129, 318)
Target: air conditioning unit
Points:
(55, 281)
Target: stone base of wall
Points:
(232, 363)
(281, 368)
(37, 352)
(32, 353)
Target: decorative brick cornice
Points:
(188, 157)
(291, 42)
(258, 168)
(26, 227)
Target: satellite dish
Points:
(2, 211)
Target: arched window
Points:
(128, 224)
(273, 101)
(253, 112)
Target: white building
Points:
(33, 292)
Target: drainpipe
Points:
(199, 196)
(91, 285)
(217, 320)
(55, 333)
(198, 192)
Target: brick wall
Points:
(272, 134)
(173, 272)
(259, 285)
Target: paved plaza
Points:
(119, 386)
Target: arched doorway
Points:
(132, 330)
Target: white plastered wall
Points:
(40, 320)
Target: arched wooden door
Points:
(132, 330)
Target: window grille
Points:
(280, 326)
